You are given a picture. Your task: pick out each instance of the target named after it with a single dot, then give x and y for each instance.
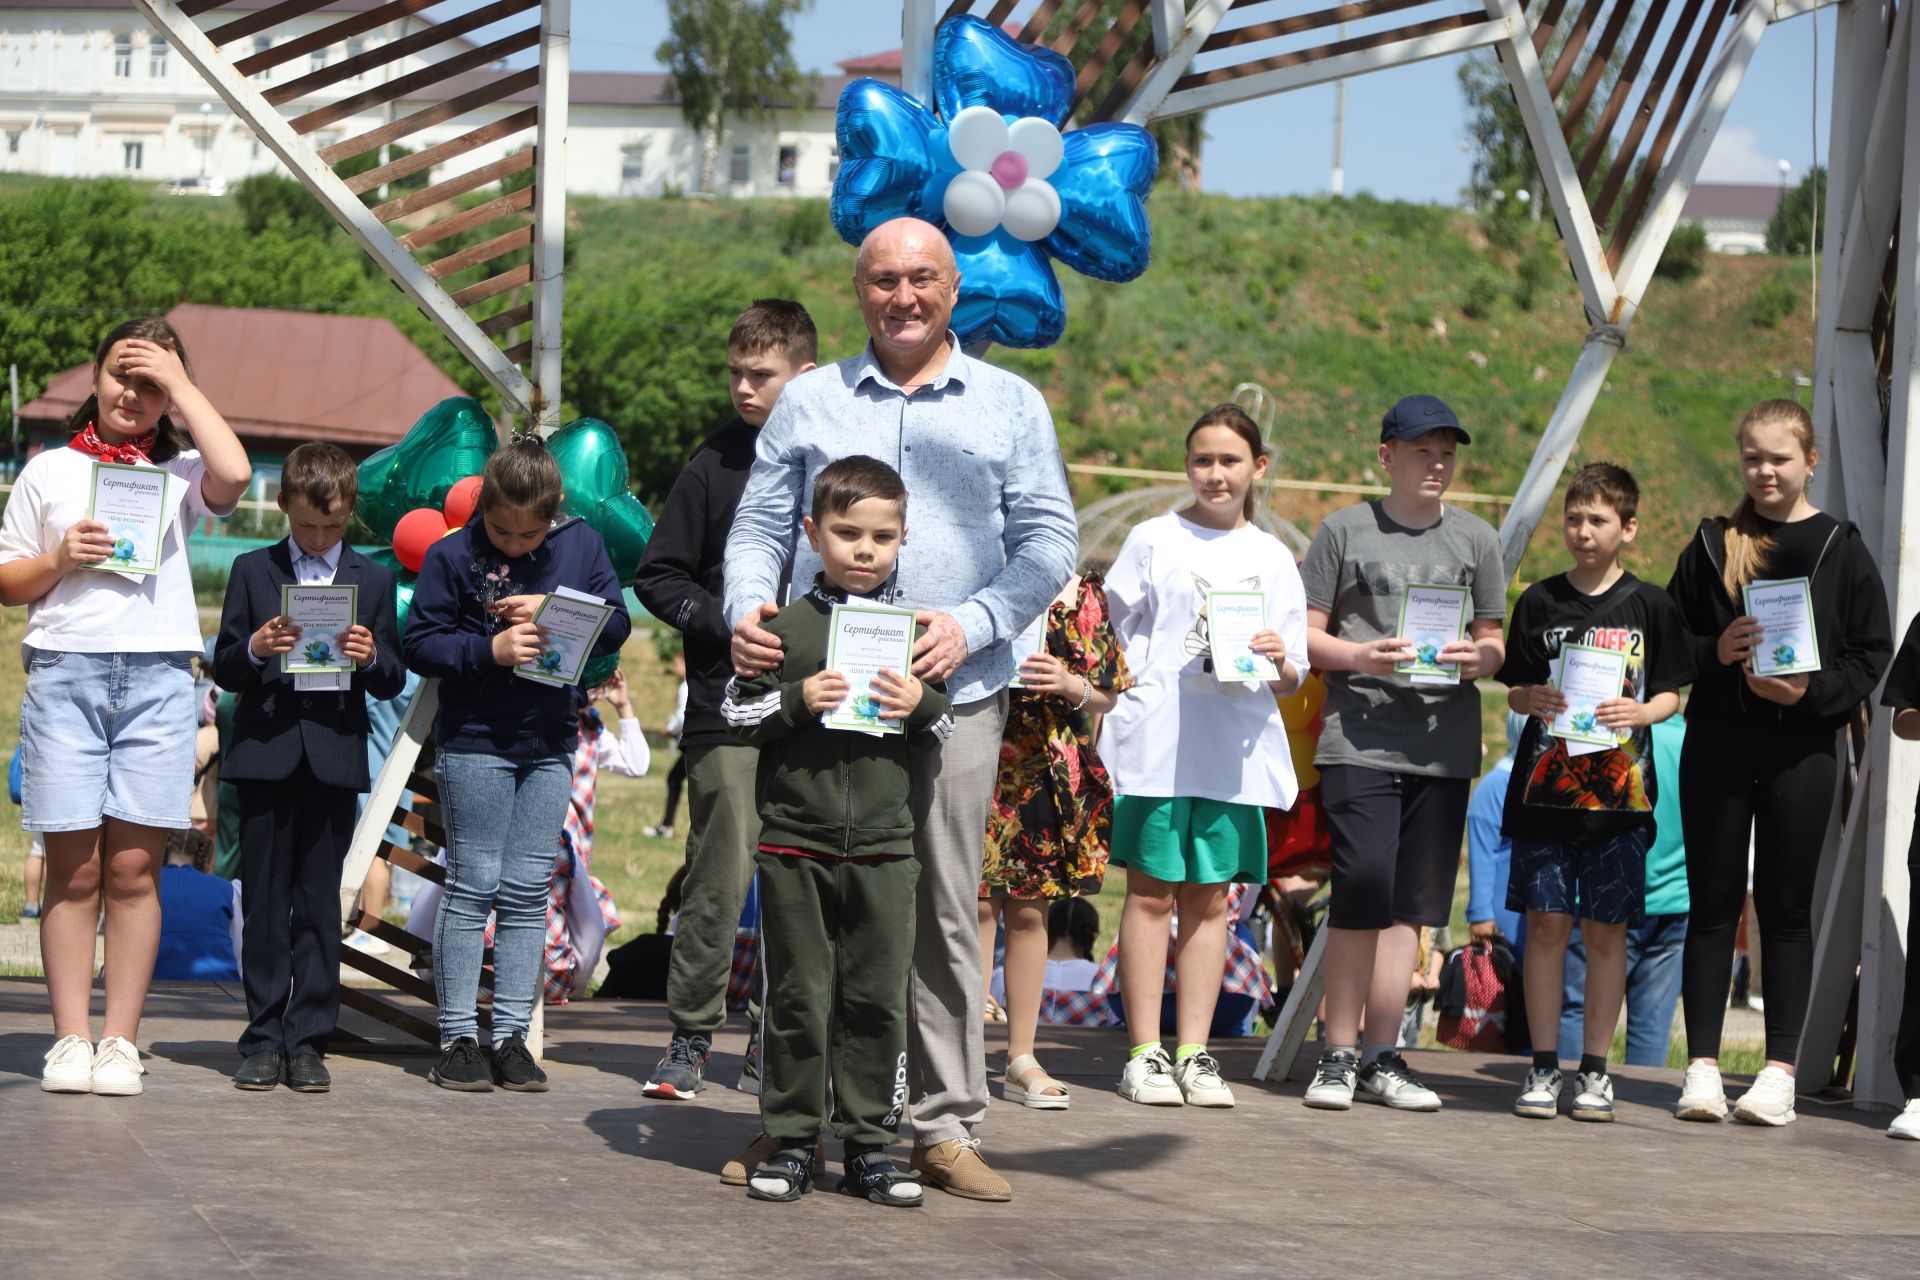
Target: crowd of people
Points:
(1053, 720)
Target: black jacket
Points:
(276, 726)
(1850, 619)
(679, 579)
(829, 791)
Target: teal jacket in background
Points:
(1667, 858)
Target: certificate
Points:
(1431, 618)
(862, 641)
(1788, 645)
(322, 614)
(1233, 619)
(1027, 643)
(1587, 678)
(573, 621)
(132, 503)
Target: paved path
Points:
(388, 1175)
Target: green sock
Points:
(1186, 1051)
(1139, 1049)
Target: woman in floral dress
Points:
(1047, 834)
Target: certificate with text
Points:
(1587, 678)
(1431, 618)
(322, 613)
(1029, 642)
(1788, 644)
(132, 503)
(862, 641)
(1233, 619)
(573, 621)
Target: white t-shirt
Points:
(1179, 731)
(94, 612)
(1061, 975)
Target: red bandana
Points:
(132, 453)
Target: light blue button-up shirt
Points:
(991, 533)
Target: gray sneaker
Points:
(1540, 1097)
(1391, 1082)
(1333, 1081)
(750, 1065)
(680, 1072)
(1593, 1096)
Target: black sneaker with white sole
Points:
(680, 1072)
(463, 1068)
(514, 1067)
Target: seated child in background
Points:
(199, 915)
(1073, 925)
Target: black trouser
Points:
(1778, 785)
(293, 839)
(1906, 1048)
(676, 778)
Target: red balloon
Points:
(417, 530)
(461, 500)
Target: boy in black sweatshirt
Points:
(679, 581)
(837, 871)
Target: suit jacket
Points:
(275, 726)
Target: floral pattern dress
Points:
(1053, 803)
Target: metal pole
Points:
(1339, 183)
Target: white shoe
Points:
(1333, 1080)
(116, 1068)
(1907, 1123)
(69, 1067)
(1389, 1080)
(1702, 1097)
(1593, 1097)
(1540, 1097)
(1769, 1100)
(1148, 1079)
(1199, 1080)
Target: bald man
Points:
(991, 540)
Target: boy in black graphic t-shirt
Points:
(1581, 815)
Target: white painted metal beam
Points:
(1558, 441)
(387, 790)
(1870, 217)
(550, 210)
(1785, 9)
(1836, 906)
(1169, 19)
(313, 173)
(918, 18)
(1290, 1032)
(1147, 100)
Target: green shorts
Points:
(1190, 841)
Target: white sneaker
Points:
(1390, 1081)
(1593, 1097)
(1333, 1077)
(69, 1067)
(1200, 1084)
(116, 1068)
(1769, 1100)
(1907, 1123)
(1702, 1097)
(1148, 1079)
(1540, 1097)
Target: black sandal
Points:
(878, 1179)
(794, 1169)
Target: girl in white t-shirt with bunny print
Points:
(1195, 758)
(108, 720)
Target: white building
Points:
(1734, 214)
(88, 89)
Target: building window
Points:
(317, 60)
(789, 165)
(123, 56)
(157, 57)
(633, 164)
(262, 43)
(740, 171)
(356, 47)
(131, 155)
(13, 142)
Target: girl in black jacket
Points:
(1762, 753)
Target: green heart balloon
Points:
(450, 442)
(597, 671)
(593, 466)
(402, 583)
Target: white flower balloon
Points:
(1004, 171)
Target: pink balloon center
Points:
(1009, 169)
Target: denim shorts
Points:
(107, 735)
(1603, 880)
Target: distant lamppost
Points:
(1786, 167)
(206, 138)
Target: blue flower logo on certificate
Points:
(1783, 655)
(1585, 722)
(992, 167)
(1427, 652)
(548, 663)
(865, 708)
(318, 652)
(125, 549)
(1244, 666)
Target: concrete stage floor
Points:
(390, 1176)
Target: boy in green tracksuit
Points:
(837, 871)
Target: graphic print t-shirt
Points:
(1553, 794)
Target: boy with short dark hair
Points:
(837, 871)
(679, 581)
(1581, 816)
(297, 760)
(1397, 755)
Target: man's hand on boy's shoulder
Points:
(942, 645)
(756, 649)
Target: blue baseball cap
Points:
(1416, 415)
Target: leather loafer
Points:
(260, 1071)
(307, 1074)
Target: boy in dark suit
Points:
(297, 761)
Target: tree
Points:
(730, 57)
(1503, 159)
(1790, 230)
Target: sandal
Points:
(878, 1179)
(786, 1175)
(1027, 1083)
(994, 1011)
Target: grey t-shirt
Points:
(1358, 568)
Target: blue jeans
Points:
(1654, 944)
(503, 829)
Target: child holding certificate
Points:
(1400, 744)
(838, 723)
(1761, 752)
(94, 543)
(1196, 747)
(306, 637)
(504, 742)
(1595, 657)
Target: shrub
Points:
(1483, 291)
(1772, 302)
(1685, 256)
(1533, 273)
